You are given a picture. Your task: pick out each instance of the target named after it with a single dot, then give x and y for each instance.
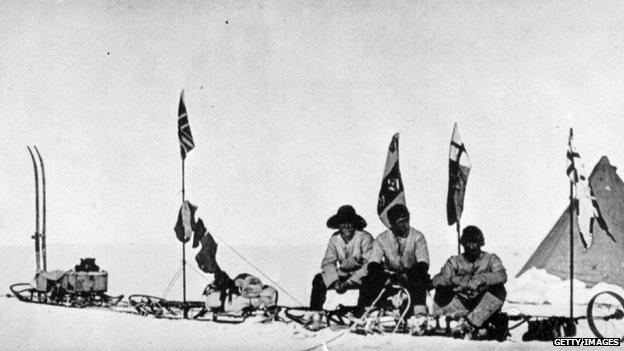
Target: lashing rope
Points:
(200, 273)
(259, 270)
(171, 283)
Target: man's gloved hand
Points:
(475, 283)
(420, 272)
(342, 287)
(460, 281)
(400, 278)
(421, 269)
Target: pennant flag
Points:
(587, 209)
(186, 222)
(207, 257)
(459, 169)
(391, 191)
(184, 129)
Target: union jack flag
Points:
(587, 209)
(184, 129)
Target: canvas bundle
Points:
(242, 294)
(549, 329)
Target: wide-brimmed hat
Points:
(346, 214)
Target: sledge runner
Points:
(470, 286)
(400, 254)
(345, 260)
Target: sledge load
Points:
(85, 285)
(226, 300)
(391, 271)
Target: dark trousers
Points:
(416, 280)
(319, 293)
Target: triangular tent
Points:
(604, 261)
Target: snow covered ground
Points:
(148, 269)
(36, 327)
(537, 287)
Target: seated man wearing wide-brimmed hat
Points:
(345, 260)
(470, 285)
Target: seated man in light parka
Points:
(346, 257)
(400, 254)
(470, 285)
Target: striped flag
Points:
(184, 129)
(459, 169)
(587, 210)
(391, 191)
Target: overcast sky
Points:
(292, 106)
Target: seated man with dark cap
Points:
(345, 260)
(470, 285)
(399, 253)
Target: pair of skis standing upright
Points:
(39, 236)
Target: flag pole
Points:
(571, 246)
(571, 252)
(186, 145)
(183, 254)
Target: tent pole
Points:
(571, 252)
(458, 248)
(184, 255)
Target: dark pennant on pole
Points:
(391, 191)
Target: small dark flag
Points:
(199, 230)
(207, 257)
(184, 129)
(391, 191)
(186, 222)
(459, 169)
